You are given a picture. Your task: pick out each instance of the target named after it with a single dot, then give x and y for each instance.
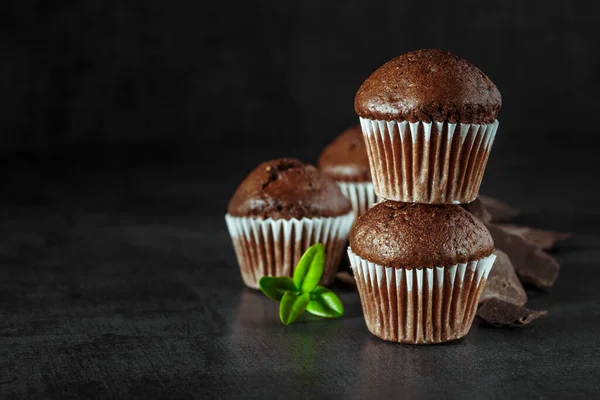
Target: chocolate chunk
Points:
(477, 208)
(346, 278)
(531, 263)
(499, 211)
(541, 238)
(501, 313)
(503, 282)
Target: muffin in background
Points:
(429, 121)
(279, 210)
(420, 270)
(345, 160)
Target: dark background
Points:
(86, 72)
(126, 125)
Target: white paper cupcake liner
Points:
(427, 162)
(420, 306)
(361, 195)
(267, 247)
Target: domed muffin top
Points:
(428, 85)
(345, 159)
(403, 235)
(287, 188)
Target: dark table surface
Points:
(118, 279)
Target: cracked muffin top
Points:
(287, 188)
(403, 235)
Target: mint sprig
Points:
(302, 293)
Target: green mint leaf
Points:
(304, 265)
(315, 272)
(274, 287)
(292, 306)
(325, 303)
(310, 268)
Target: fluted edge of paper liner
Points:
(360, 194)
(420, 306)
(427, 162)
(268, 247)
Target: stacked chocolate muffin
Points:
(419, 259)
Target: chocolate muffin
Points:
(345, 160)
(429, 121)
(420, 270)
(279, 210)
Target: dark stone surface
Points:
(118, 279)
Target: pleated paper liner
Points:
(361, 195)
(267, 247)
(420, 306)
(427, 162)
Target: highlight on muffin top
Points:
(345, 159)
(404, 235)
(288, 188)
(428, 85)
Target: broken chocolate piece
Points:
(500, 313)
(541, 238)
(345, 277)
(499, 211)
(503, 282)
(477, 208)
(531, 263)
